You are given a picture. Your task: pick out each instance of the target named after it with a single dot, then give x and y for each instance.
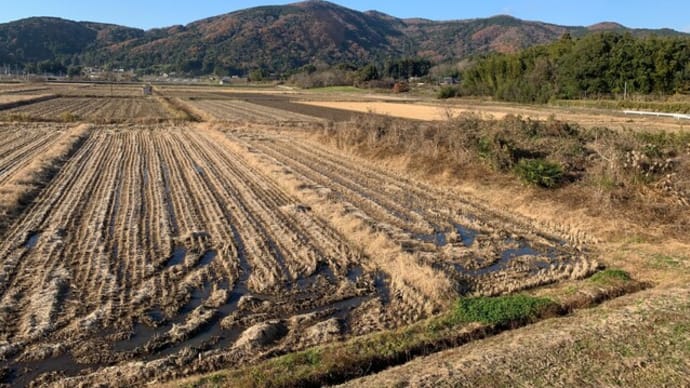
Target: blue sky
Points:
(160, 13)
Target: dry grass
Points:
(644, 177)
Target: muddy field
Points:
(239, 110)
(152, 251)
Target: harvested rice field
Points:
(137, 247)
(104, 109)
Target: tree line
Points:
(598, 64)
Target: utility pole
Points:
(625, 91)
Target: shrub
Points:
(448, 92)
(401, 87)
(501, 310)
(68, 117)
(539, 172)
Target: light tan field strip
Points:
(413, 111)
(587, 118)
(6, 100)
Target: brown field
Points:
(104, 109)
(152, 248)
(238, 110)
(96, 90)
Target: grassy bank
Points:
(470, 319)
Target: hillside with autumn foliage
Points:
(274, 39)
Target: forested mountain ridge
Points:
(273, 38)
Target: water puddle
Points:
(322, 271)
(141, 335)
(506, 257)
(355, 273)
(382, 288)
(32, 240)
(437, 238)
(155, 315)
(177, 257)
(468, 236)
(198, 296)
(208, 333)
(207, 258)
(440, 237)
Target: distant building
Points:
(449, 81)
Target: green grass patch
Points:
(660, 261)
(501, 310)
(539, 172)
(609, 276)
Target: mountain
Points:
(275, 38)
(45, 38)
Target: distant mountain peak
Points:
(606, 26)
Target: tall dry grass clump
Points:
(640, 175)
